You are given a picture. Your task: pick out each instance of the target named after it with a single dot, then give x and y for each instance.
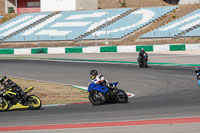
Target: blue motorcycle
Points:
(99, 94)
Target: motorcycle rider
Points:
(142, 54)
(100, 79)
(197, 71)
(9, 84)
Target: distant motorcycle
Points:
(143, 61)
(198, 76)
(99, 94)
(8, 99)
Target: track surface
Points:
(161, 92)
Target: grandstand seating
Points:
(131, 22)
(178, 26)
(68, 25)
(193, 33)
(20, 22)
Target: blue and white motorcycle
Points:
(99, 94)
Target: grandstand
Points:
(68, 25)
(176, 27)
(193, 33)
(20, 22)
(139, 24)
(131, 22)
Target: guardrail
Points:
(103, 49)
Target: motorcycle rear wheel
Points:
(97, 98)
(3, 104)
(122, 97)
(198, 77)
(34, 102)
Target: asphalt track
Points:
(161, 92)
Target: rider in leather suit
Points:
(9, 84)
(100, 79)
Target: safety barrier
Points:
(103, 49)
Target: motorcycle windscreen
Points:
(29, 89)
(115, 83)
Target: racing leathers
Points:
(101, 80)
(197, 70)
(9, 84)
(142, 54)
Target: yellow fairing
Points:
(37, 104)
(4, 107)
(18, 106)
(10, 92)
(29, 89)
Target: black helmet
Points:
(93, 74)
(2, 79)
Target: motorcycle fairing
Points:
(100, 88)
(97, 87)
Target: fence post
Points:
(184, 38)
(52, 41)
(24, 40)
(169, 37)
(124, 40)
(96, 43)
(81, 43)
(66, 40)
(139, 38)
(38, 41)
(110, 40)
(154, 37)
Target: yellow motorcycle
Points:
(9, 99)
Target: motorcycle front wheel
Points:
(34, 102)
(96, 98)
(3, 104)
(122, 97)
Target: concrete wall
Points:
(57, 5)
(185, 2)
(86, 4)
(2, 6)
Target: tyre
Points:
(97, 98)
(145, 63)
(140, 64)
(3, 104)
(122, 97)
(198, 77)
(34, 102)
